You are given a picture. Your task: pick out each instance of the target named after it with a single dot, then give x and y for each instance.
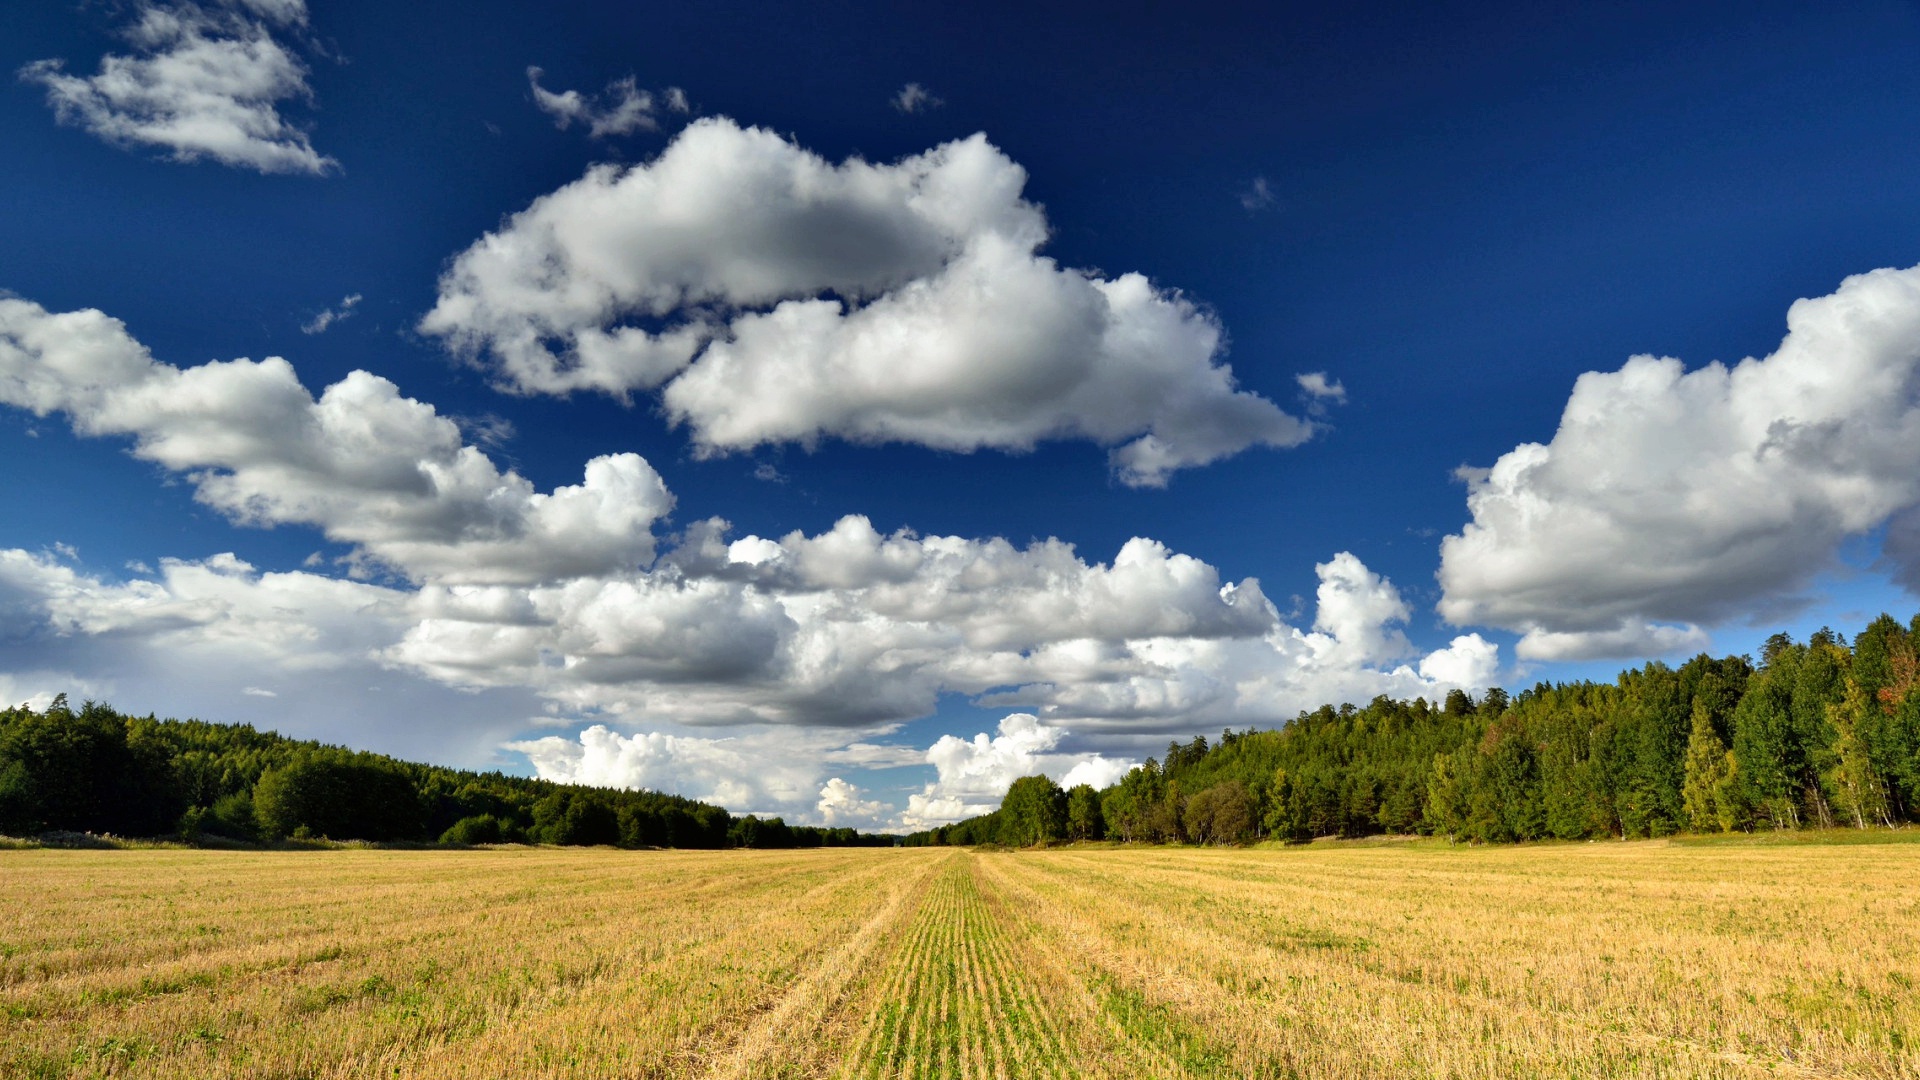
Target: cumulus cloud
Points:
(803, 650)
(620, 109)
(319, 323)
(765, 771)
(369, 467)
(913, 98)
(844, 628)
(850, 628)
(774, 297)
(845, 805)
(774, 771)
(746, 774)
(1671, 500)
(974, 774)
(203, 81)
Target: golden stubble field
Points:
(1639, 959)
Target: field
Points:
(1642, 959)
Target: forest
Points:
(95, 770)
(1815, 734)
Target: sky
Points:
(841, 410)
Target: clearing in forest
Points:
(1614, 959)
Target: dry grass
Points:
(1400, 960)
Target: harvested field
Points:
(1644, 959)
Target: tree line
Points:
(1820, 733)
(96, 770)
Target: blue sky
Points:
(1001, 307)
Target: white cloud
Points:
(763, 771)
(369, 467)
(620, 109)
(893, 627)
(787, 299)
(1469, 662)
(202, 82)
(974, 774)
(1670, 500)
(851, 629)
(844, 628)
(1257, 196)
(295, 620)
(1318, 386)
(1359, 610)
(913, 98)
(198, 637)
(804, 648)
(844, 805)
(778, 771)
(319, 323)
(1096, 771)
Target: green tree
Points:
(1764, 743)
(1084, 818)
(1033, 812)
(1859, 792)
(74, 769)
(1222, 814)
(1286, 810)
(1708, 790)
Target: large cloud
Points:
(754, 662)
(371, 468)
(1669, 500)
(780, 298)
(853, 628)
(204, 82)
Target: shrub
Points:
(478, 829)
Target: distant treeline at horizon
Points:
(96, 770)
(1813, 734)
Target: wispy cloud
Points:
(914, 98)
(1257, 195)
(1320, 386)
(620, 109)
(319, 323)
(201, 82)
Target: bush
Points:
(232, 817)
(478, 829)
